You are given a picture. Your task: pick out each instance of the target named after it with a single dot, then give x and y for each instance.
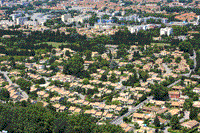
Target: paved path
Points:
(6, 76)
(46, 82)
(119, 120)
(176, 82)
(165, 131)
(186, 116)
(168, 70)
(81, 96)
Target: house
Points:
(109, 116)
(98, 114)
(62, 108)
(174, 95)
(157, 103)
(117, 110)
(126, 127)
(196, 104)
(152, 109)
(174, 111)
(162, 121)
(178, 88)
(138, 116)
(196, 90)
(71, 109)
(178, 104)
(77, 111)
(190, 124)
(56, 106)
(162, 110)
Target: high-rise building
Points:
(65, 17)
(21, 20)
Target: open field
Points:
(160, 44)
(56, 44)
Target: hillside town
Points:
(131, 66)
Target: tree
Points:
(88, 55)
(105, 16)
(24, 84)
(104, 77)
(53, 51)
(187, 104)
(92, 68)
(193, 113)
(41, 81)
(49, 23)
(12, 62)
(115, 19)
(86, 81)
(125, 119)
(113, 78)
(156, 122)
(144, 75)
(174, 122)
(168, 116)
(159, 91)
(147, 121)
(137, 126)
(67, 53)
(93, 19)
(4, 94)
(74, 66)
(186, 47)
(122, 53)
(104, 63)
(178, 59)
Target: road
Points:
(46, 82)
(81, 96)
(6, 76)
(194, 58)
(119, 120)
(168, 70)
(176, 82)
(24, 94)
(195, 64)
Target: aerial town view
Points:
(99, 66)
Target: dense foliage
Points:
(23, 117)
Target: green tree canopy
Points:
(24, 84)
(4, 94)
(74, 66)
(193, 113)
(174, 122)
(156, 122)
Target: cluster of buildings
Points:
(126, 97)
(72, 94)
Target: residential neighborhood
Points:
(115, 66)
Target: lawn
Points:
(56, 44)
(160, 44)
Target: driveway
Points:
(186, 116)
